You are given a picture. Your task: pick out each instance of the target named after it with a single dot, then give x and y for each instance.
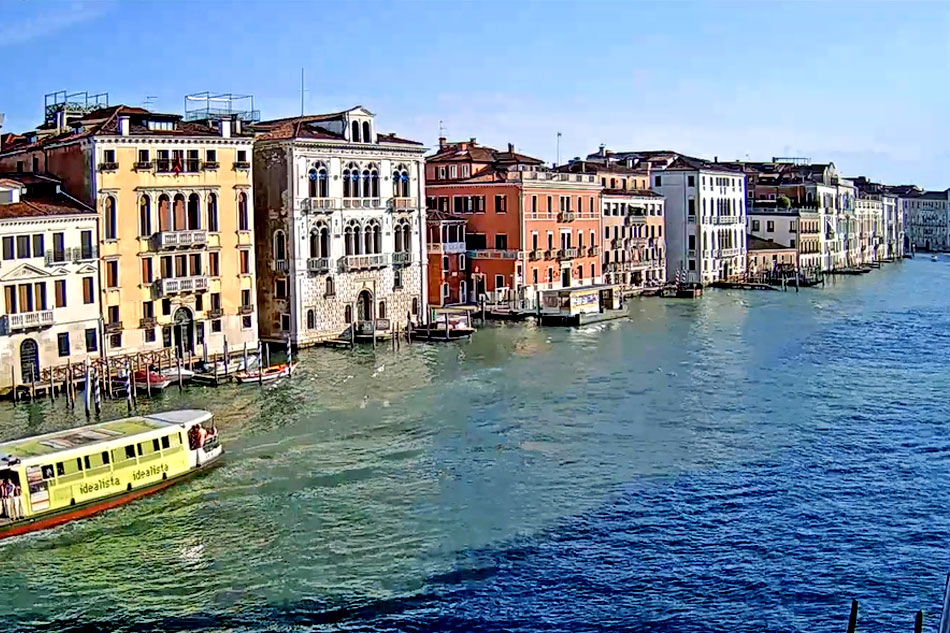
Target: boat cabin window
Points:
(105, 457)
(60, 469)
(166, 442)
(47, 471)
(138, 448)
(155, 448)
(129, 453)
(86, 462)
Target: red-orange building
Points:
(527, 229)
(448, 273)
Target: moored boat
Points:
(267, 374)
(150, 380)
(51, 479)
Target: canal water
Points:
(747, 462)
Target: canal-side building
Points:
(447, 271)
(927, 220)
(768, 258)
(340, 225)
(704, 211)
(797, 228)
(49, 276)
(175, 236)
(528, 227)
(634, 244)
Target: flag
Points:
(178, 167)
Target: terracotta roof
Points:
(585, 167)
(638, 193)
(392, 138)
(300, 127)
(472, 152)
(42, 198)
(754, 243)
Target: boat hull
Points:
(91, 508)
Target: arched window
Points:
(445, 292)
(401, 182)
(356, 132)
(179, 218)
(323, 182)
(243, 219)
(351, 181)
(311, 320)
(397, 238)
(312, 183)
(373, 182)
(368, 240)
(367, 137)
(348, 310)
(367, 188)
(194, 212)
(324, 241)
(377, 239)
(329, 291)
(212, 213)
(280, 246)
(348, 240)
(463, 291)
(112, 220)
(314, 244)
(382, 310)
(164, 213)
(145, 216)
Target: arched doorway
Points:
(184, 331)
(29, 361)
(364, 306)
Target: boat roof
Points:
(70, 439)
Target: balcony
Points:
(363, 262)
(142, 165)
(147, 322)
(242, 164)
(635, 220)
(179, 285)
(113, 327)
(360, 203)
(108, 166)
(215, 313)
(566, 216)
(318, 265)
(567, 253)
(725, 219)
(180, 239)
(593, 251)
(453, 248)
(321, 205)
(26, 321)
(210, 164)
(403, 258)
(728, 252)
(535, 255)
(403, 204)
(616, 243)
(246, 310)
(691, 252)
(280, 265)
(493, 253)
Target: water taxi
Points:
(47, 480)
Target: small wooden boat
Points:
(268, 374)
(67, 475)
(150, 380)
(437, 332)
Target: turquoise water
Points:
(745, 462)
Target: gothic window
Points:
(367, 137)
(145, 216)
(280, 246)
(355, 137)
(212, 212)
(112, 220)
(194, 212)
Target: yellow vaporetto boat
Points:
(51, 479)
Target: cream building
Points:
(341, 227)
(176, 231)
(49, 276)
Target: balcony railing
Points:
(566, 216)
(108, 166)
(245, 310)
(318, 264)
(363, 262)
(242, 164)
(177, 285)
(493, 253)
(567, 253)
(403, 258)
(142, 165)
(147, 322)
(360, 203)
(210, 164)
(593, 251)
(449, 248)
(635, 220)
(180, 239)
(280, 265)
(26, 320)
(616, 243)
(75, 255)
(403, 204)
(728, 252)
(536, 254)
(112, 327)
(725, 219)
(321, 205)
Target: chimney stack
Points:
(123, 126)
(603, 150)
(629, 161)
(441, 142)
(238, 125)
(511, 148)
(1, 130)
(225, 127)
(471, 141)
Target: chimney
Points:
(715, 159)
(123, 126)
(225, 126)
(60, 120)
(238, 125)
(441, 142)
(628, 161)
(603, 150)
(1, 130)
(511, 148)
(471, 141)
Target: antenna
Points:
(441, 129)
(558, 149)
(301, 91)
(149, 101)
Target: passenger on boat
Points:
(18, 501)
(8, 496)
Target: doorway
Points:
(364, 306)
(565, 277)
(184, 331)
(29, 361)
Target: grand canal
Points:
(747, 462)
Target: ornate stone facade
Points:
(341, 231)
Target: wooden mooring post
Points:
(919, 622)
(853, 619)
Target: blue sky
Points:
(862, 84)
